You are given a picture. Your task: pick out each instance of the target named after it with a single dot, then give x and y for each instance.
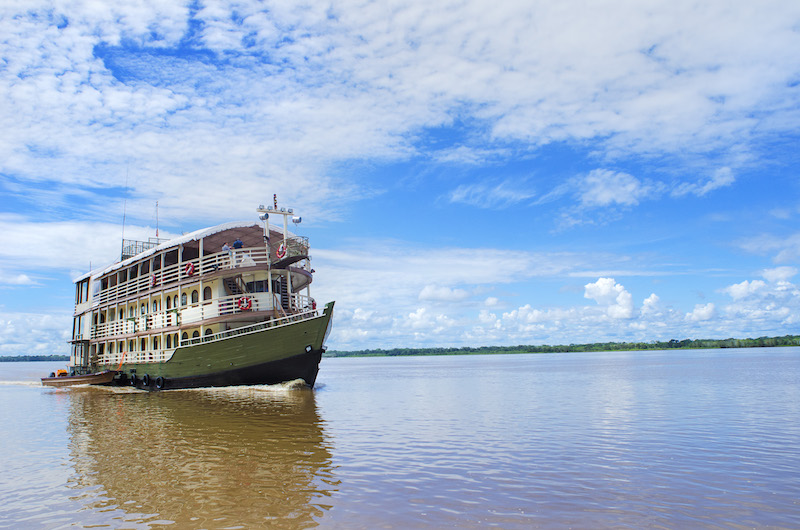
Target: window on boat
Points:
(183, 299)
(155, 306)
(209, 331)
(169, 341)
(259, 286)
(195, 334)
(207, 293)
(155, 343)
(144, 309)
(143, 344)
(110, 347)
(169, 303)
(131, 311)
(134, 272)
(175, 302)
(131, 344)
(195, 297)
(175, 340)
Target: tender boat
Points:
(60, 378)
(225, 305)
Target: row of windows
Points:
(156, 305)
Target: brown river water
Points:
(678, 439)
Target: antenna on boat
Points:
(156, 219)
(124, 206)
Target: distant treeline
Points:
(26, 358)
(686, 344)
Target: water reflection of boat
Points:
(235, 457)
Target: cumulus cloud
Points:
(701, 312)
(606, 292)
(745, 289)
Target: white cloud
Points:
(605, 291)
(650, 304)
(745, 289)
(701, 312)
(779, 274)
(442, 293)
(501, 195)
(720, 178)
(602, 187)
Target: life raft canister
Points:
(245, 304)
(281, 252)
(189, 269)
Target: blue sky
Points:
(469, 172)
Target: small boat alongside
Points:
(61, 378)
(220, 306)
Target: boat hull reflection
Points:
(205, 458)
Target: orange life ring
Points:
(281, 252)
(244, 303)
(189, 269)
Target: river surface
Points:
(676, 439)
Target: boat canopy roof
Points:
(181, 240)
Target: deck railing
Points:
(163, 355)
(171, 274)
(197, 312)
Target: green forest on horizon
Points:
(686, 344)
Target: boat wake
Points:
(20, 383)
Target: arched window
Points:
(195, 334)
(144, 309)
(183, 299)
(185, 336)
(143, 343)
(131, 345)
(175, 302)
(155, 306)
(169, 341)
(195, 297)
(155, 343)
(209, 331)
(110, 347)
(207, 293)
(169, 303)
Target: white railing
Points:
(273, 323)
(197, 312)
(244, 257)
(116, 360)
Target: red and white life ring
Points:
(153, 280)
(189, 270)
(244, 303)
(313, 305)
(281, 252)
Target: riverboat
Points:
(221, 306)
